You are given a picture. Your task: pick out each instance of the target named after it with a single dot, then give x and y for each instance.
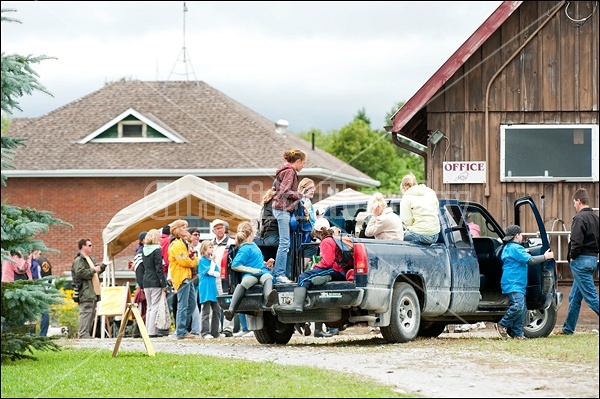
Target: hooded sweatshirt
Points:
(419, 210)
(287, 196)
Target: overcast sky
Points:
(314, 64)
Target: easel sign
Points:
(112, 303)
(129, 308)
(113, 300)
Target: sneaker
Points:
(249, 334)
(561, 332)
(519, 337)
(320, 280)
(187, 336)
(283, 280)
(208, 336)
(240, 333)
(501, 331)
(227, 333)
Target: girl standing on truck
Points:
(285, 201)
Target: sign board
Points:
(464, 172)
(113, 300)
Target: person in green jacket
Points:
(85, 279)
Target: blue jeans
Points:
(514, 318)
(283, 223)
(44, 324)
(186, 305)
(269, 241)
(583, 289)
(412, 236)
(243, 324)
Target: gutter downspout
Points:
(410, 149)
(487, 95)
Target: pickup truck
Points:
(412, 290)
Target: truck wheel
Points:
(540, 322)
(405, 315)
(431, 329)
(273, 331)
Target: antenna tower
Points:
(184, 57)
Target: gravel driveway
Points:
(438, 369)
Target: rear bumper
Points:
(331, 295)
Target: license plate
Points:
(286, 298)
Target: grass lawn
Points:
(78, 373)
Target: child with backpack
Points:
(327, 269)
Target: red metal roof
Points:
(472, 44)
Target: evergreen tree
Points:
(22, 301)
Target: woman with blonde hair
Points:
(419, 211)
(153, 278)
(250, 262)
(180, 270)
(384, 224)
(208, 271)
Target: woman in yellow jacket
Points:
(181, 263)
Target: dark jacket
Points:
(287, 196)
(84, 274)
(268, 222)
(152, 272)
(585, 234)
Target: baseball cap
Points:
(320, 223)
(216, 222)
(511, 232)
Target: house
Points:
(514, 112)
(91, 158)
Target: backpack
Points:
(346, 245)
(229, 277)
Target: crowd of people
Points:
(172, 263)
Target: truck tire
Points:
(273, 331)
(431, 329)
(540, 322)
(405, 315)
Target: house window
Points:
(549, 153)
(131, 128)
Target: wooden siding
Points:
(552, 80)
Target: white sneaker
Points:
(208, 336)
(283, 280)
(249, 334)
(240, 333)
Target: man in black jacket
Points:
(583, 259)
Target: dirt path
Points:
(441, 369)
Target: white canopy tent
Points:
(347, 195)
(189, 195)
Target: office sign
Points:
(464, 172)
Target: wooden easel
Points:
(129, 308)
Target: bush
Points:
(66, 314)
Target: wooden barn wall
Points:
(552, 80)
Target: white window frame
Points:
(541, 151)
(132, 123)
